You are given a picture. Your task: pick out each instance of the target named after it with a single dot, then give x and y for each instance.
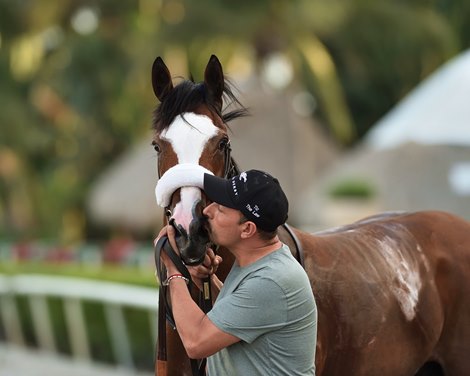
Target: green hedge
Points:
(111, 273)
(352, 188)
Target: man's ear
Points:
(248, 230)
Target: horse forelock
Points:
(188, 96)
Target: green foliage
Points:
(140, 337)
(72, 101)
(128, 275)
(383, 50)
(352, 188)
(68, 114)
(59, 326)
(26, 321)
(97, 332)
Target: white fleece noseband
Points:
(178, 176)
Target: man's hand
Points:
(198, 273)
(170, 232)
(206, 269)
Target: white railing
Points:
(114, 296)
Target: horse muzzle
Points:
(194, 242)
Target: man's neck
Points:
(249, 252)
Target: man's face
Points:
(224, 224)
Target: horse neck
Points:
(226, 265)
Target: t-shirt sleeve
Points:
(257, 306)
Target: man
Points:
(264, 320)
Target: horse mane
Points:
(188, 95)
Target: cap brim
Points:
(216, 189)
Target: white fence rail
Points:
(73, 291)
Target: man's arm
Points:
(200, 337)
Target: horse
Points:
(392, 290)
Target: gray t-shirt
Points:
(270, 306)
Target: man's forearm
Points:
(187, 314)
(200, 337)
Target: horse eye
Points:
(156, 147)
(223, 143)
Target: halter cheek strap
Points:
(180, 175)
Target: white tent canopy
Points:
(416, 157)
(436, 112)
(123, 195)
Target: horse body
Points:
(392, 294)
(392, 290)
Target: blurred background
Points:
(357, 106)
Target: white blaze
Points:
(188, 135)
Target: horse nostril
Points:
(180, 232)
(197, 209)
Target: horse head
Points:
(191, 138)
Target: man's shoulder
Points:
(279, 267)
(284, 262)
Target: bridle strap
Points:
(299, 255)
(161, 344)
(228, 166)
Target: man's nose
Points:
(208, 210)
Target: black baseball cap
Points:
(255, 193)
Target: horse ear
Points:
(161, 79)
(214, 80)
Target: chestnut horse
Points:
(392, 290)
